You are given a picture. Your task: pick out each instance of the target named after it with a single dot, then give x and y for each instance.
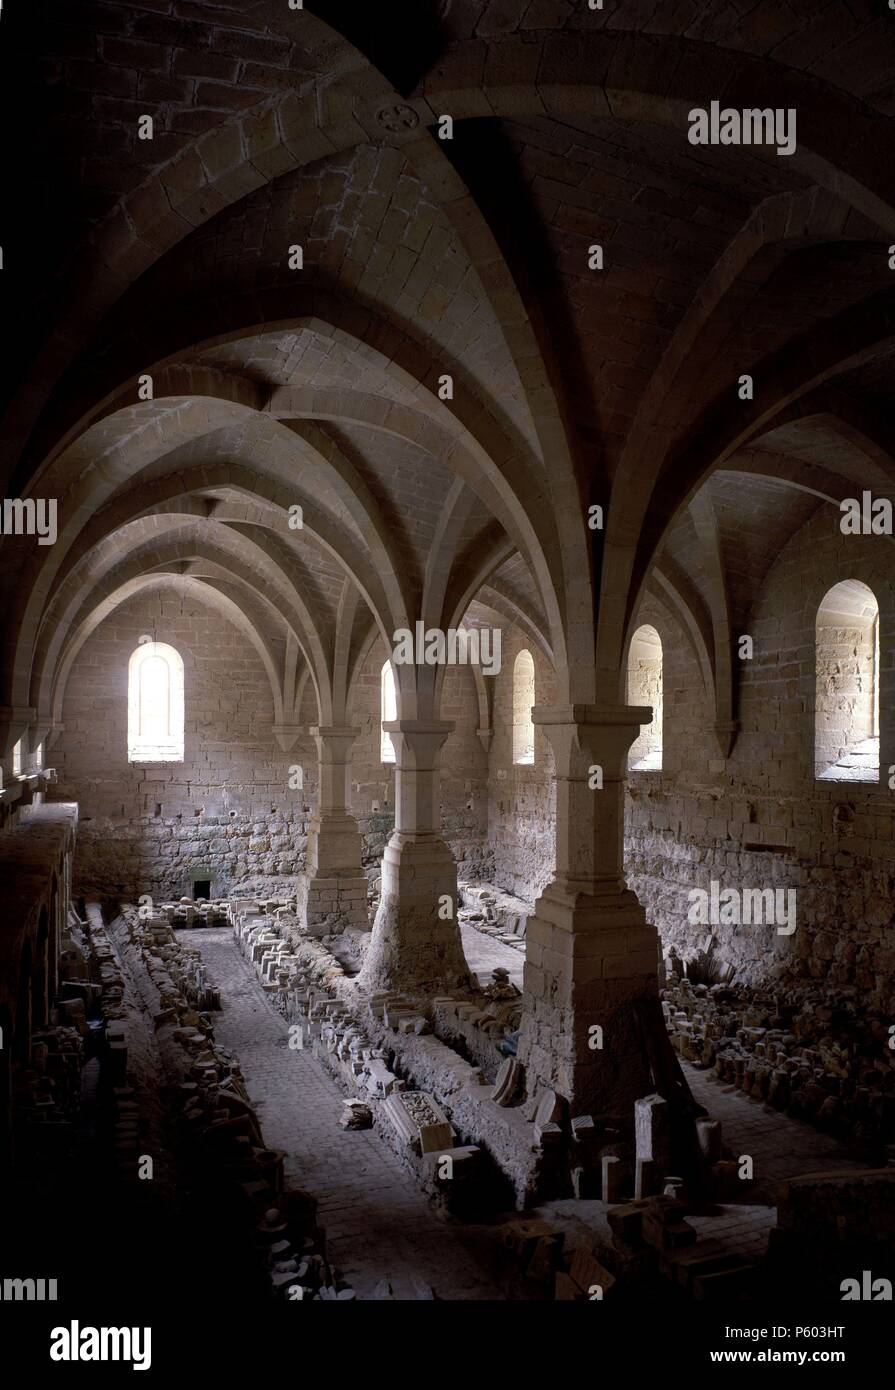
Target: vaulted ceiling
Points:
(439, 380)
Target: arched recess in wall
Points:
(388, 706)
(523, 699)
(645, 688)
(846, 710)
(155, 704)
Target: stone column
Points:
(332, 891)
(590, 954)
(416, 944)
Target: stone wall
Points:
(761, 820)
(522, 799)
(225, 812)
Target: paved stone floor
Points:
(780, 1147)
(484, 954)
(378, 1224)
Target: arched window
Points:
(388, 707)
(645, 688)
(155, 704)
(846, 711)
(17, 759)
(523, 699)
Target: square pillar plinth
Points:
(590, 954)
(327, 906)
(589, 960)
(332, 892)
(416, 944)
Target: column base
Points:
(413, 948)
(334, 846)
(589, 958)
(326, 906)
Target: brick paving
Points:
(741, 1229)
(780, 1147)
(378, 1224)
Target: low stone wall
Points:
(161, 856)
(327, 906)
(835, 851)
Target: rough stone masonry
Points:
(560, 334)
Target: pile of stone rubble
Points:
(270, 937)
(194, 912)
(48, 1091)
(634, 1248)
(302, 977)
(222, 1157)
(809, 1052)
(486, 1029)
(495, 913)
(627, 1228)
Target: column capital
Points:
(333, 731)
(14, 722)
(418, 741)
(39, 730)
(587, 735)
(334, 741)
(485, 737)
(287, 735)
(420, 726)
(603, 716)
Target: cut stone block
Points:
(613, 1178)
(418, 1121)
(509, 1082)
(651, 1130)
(549, 1135)
(708, 1132)
(589, 1274)
(551, 1109)
(565, 1290)
(646, 1178)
